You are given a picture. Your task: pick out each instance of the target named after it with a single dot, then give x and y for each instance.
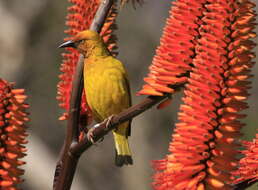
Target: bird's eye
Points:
(78, 42)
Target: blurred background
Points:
(30, 32)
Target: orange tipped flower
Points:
(79, 18)
(204, 148)
(174, 56)
(12, 135)
(248, 169)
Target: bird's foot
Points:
(109, 121)
(90, 134)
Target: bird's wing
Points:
(120, 81)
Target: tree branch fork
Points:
(73, 148)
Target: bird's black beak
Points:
(69, 43)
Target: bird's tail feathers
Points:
(123, 153)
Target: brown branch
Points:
(67, 163)
(245, 184)
(102, 128)
(101, 15)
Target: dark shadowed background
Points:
(30, 32)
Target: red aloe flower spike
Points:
(80, 16)
(174, 56)
(248, 169)
(107, 31)
(203, 148)
(12, 135)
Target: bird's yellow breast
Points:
(106, 86)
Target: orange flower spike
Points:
(80, 16)
(204, 141)
(174, 56)
(13, 117)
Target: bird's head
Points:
(83, 41)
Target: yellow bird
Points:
(107, 87)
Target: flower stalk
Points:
(68, 160)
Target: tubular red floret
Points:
(176, 51)
(248, 165)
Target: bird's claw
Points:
(90, 134)
(109, 119)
